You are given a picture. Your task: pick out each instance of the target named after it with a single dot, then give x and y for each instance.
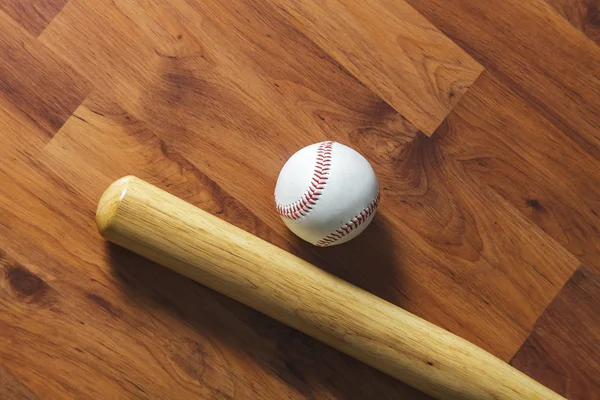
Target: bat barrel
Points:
(157, 225)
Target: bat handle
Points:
(157, 225)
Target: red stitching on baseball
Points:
(350, 225)
(301, 207)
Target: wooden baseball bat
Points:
(151, 222)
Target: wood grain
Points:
(570, 325)
(541, 171)
(220, 100)
(33, 15)
(562, 85)
(20, 134)
(12, 388)
(394, 50)
(529, 162)
(480, 225)
(582, 14)
(433, 203)
(35, 80)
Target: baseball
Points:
(327, 193)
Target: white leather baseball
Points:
(327, 193)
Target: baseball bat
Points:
(155, 224)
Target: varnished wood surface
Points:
(554, 351)
(394, 51)
(481, 229)
(583, 14)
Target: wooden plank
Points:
(20, 135)
(582, 14)
(563, 351)
(12, 388)
(452, 232)
(35, 80)
(33, 15)
(396, 52)
(238, 94)
(498, 137)
(511, 39)
(160, 41)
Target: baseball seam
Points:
(300, 208)
(350, 225)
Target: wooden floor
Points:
(481, 119)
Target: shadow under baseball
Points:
(371, 261)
